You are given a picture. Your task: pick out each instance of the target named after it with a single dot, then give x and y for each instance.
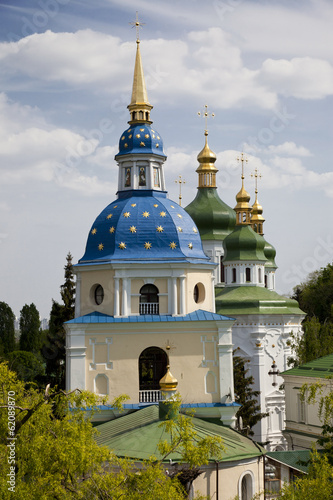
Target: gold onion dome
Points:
(257, 220)
(207, 170)
(168, 382)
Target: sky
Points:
(263, 67)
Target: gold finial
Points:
(206, 115)
(137, 25)
(180, 181)
(257, 219)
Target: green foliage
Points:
(30, 337)
(26, 364)
(317, 485)
(246, 396)
(7, 329)
(57, 457)
(54, 351)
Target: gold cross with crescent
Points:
(242, 159)
(137, 25)
(256, 175)
(206, 115)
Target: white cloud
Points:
(288, 148)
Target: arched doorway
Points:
(149, 299)
(152, 367)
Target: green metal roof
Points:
(137, 435)
(270, 254)
(296, 459)
(253, 300)
(318, 368)
(244, 244)
(214, 218)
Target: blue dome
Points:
(143, 226)
(140, 138)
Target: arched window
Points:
(234, 275)
(246, 487)
(266, 281)
(260, 275)
(149, 300)
(247, 274)
(152, 367)
(222, 273)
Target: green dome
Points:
(244, 244)
(214, 218)
(270, 254)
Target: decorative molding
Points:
(204, 359)
(108, 365)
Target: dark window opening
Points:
(152, 367)
(234, 275)
(222, 272)
(247, 274)
(149, 300)
(99, 294)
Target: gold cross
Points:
(256, 175)
(137, 25)
(180, 181)
(206, 115)
(242, 159)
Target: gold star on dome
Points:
(180, 216)
(190, 245)
(133, 205)
(155, 205)
(156, 145)
(195, 230)
(115, 206)
(172, 245)
(130, 136)
(159, 229)
(126, 215)
(147, 245)
(147, 136)
(153, 136)
(112, 229)
(137, 136)
(129, 130)
(100, 246)
(142, 129)
(142, 144)
(122, 245)
(145, 214)
(125, 145)
(172, 206)
(123, 138)
(179, 229)
(132, 229)
(94, 231)
(153, 131)
(162, 214)
(109, 216)
(158, 137)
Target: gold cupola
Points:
(139, 107)
(168, 382)
(206, 170)
(243, 208)
(257, 220)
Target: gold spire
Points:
(139, 107)
(180, 181)
(257, 220)
(168, 382)
(206, 158)
(243, 208)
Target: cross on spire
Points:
(256, 175)
(137, 25)
(206, 115)
(180, 181)
(242, 159)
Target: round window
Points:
(99, 294)
(199, 293)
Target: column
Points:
(78, 296)
(174, 297)
(124, 311)
(116, 308)
(182, 305)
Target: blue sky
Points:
(263, 67)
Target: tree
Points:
(30, 329)
(54, 350)
(27, 365)
(56, 455)
(244, 394)
(7, 328)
